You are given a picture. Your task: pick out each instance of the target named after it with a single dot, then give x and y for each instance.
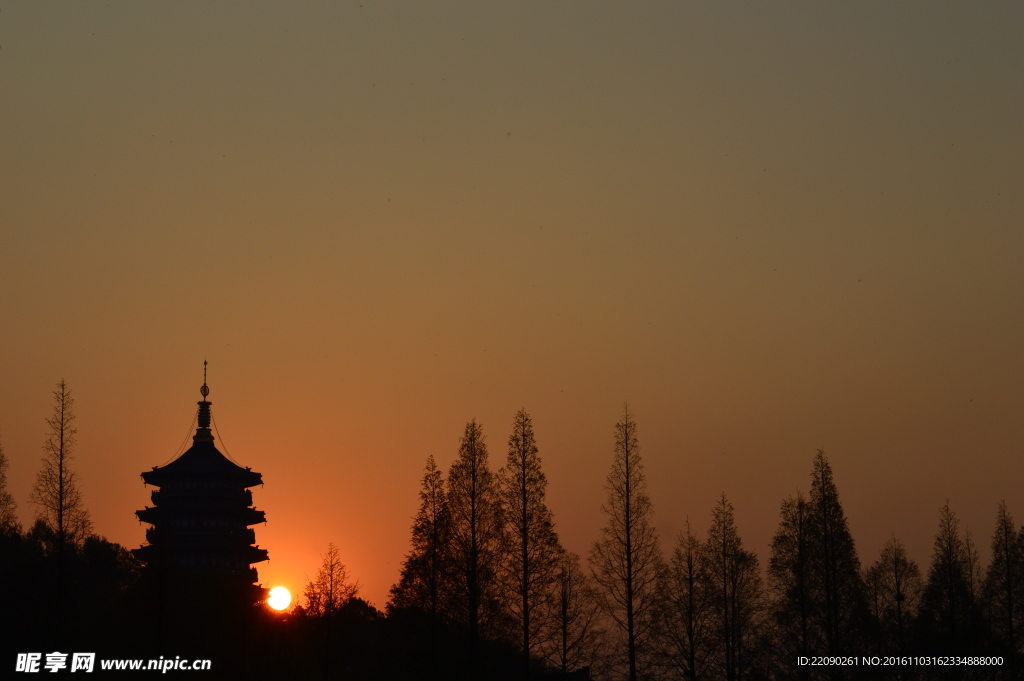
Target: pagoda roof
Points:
(202, 459)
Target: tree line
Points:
(487, 591)
(486, 568)
(64, 582)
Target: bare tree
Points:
(476, 518)
(1004, 588)
(575, 627)
(627, 559)
(735, 593)
(687, 624)
(326, 595)
(949, 618)
(56, 492)
(840, 607)
(790, 583)
(530, 538)
(331, 588)
(8, 509)
(422, 582)
(895, 587)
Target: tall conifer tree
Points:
(687, 622)
(894, 586)
(835, 569)
(627, 559)
(949, 612)
(1004, 588)
(790, 583)
(533, 549)
(735, 594)
(474, 505)
(423, 580)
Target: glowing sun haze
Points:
(279, 598)
(769, 227)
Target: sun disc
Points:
(280, 598)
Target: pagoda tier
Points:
(202, 511)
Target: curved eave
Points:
(147, 553)
(158, 477)
(155, 514)
(203, 460)
(150, 554)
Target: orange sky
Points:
(770, 229)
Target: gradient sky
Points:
(771, 227)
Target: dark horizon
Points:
(812, 596)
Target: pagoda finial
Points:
(204, 391)
(203, 432)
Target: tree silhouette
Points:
(331, 589)
(626, 559)
(474, 505)
(422, 581)
(837, 587)
(575, 628)
(56, 492)
(687, 623)
(949, 618)
(8, 508)
(424, 584)
(790, 583)
(1004, 588)
(734, 592)
(894, 588)
(326, 596)
(531, 542)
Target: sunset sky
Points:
(769, 227)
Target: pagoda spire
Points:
(203, 431)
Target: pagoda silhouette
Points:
(202, 513)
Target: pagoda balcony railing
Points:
(202, 535)
(202, 517)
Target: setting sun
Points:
(280, 598)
